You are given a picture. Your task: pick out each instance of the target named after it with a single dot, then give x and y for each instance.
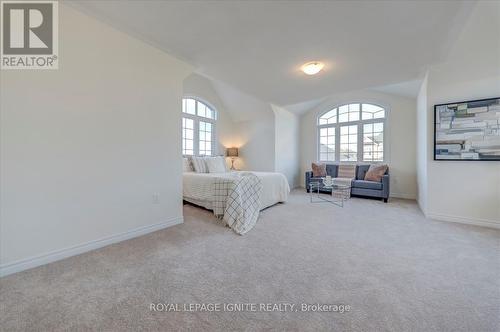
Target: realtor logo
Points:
(29, 35)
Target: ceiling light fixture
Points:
(312, 68)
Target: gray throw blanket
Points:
(237, 201)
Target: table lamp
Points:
(232, 153)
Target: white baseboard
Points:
(469, 221)
(402, 195)
(28, 263)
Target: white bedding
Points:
(198, 188)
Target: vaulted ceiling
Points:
(259, 46)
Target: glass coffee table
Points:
(338, 193)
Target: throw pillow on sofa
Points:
(319, 169)
(376, 172)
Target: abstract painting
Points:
(468, 130)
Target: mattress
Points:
(198, 188)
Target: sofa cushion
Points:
(361, 171)
(367, 184)
(332, 170)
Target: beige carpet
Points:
(395, 269)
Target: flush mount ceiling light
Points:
(312, 68)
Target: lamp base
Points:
(232, 164)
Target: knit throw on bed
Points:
(237, 201)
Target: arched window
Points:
(198, 128)
(352, 132)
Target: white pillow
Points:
(216, 164)
(186, 165)
(199, 164)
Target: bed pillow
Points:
(319, 170)
(216, 164)
(199, 164)
(376, 172)
(186, 165)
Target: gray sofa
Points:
(359, 186)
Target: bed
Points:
(198, 188)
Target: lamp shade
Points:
(232, 152)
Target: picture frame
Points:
(467, 130)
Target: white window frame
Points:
(360, 124)
(196, 125)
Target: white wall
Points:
(401, 136)
(287, 139)
(257, 143)
(465, 191)
(198, 86)
(253, 129)
(85, 148)
(461, 190)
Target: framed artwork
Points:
(468, 130)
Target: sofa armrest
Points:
(385, 186)
(309, 175)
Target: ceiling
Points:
(259, 46)
(407, 89)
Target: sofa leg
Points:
(385, 200)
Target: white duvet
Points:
(198, 188)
